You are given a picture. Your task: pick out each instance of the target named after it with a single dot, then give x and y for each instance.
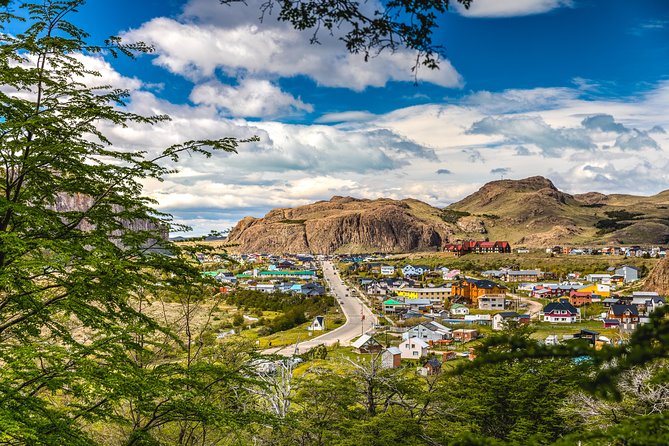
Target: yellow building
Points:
(597, 288)
(441, 293)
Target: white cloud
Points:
(251, 98)
(347, 116)
(404, 153)
(205, 40)
(510, 8)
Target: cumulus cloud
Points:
(444, 172)
(510, 8)
(251, 98)
(657, 129)
(230, 39)
(523, 151)
(604, 123)
(533, 130)
(636, 140)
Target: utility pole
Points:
(362, 320)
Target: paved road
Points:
(352, 308)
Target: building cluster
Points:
(270, 274)
(625, 251)
(477, 247)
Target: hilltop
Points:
(532, 212)
(345, 224)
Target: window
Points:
(415, 353)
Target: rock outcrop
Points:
(344, 224)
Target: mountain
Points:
(530, 212)
(345, 224)
(535, 213)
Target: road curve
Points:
(352, 308)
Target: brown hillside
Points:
(344, 224)
(658, 279)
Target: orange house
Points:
(580, 298)
(469, 290)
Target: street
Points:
(352, 309)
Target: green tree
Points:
(78, 238)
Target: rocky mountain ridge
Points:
(531, 212)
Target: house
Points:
(492, 302)
(417, 270)
(589, 335)
(434, 294)
(367, 344)
(551, 340)
(597, 288)
(481, 319)
(421, 305)
(629, 273)
(391, 358)
(610, 301)
(318, 324)
(500, 320)
(465, 334)
(428, 331)
(413, 348)
(647, 301)
(458, 310)
(524, 276)
(611, 323)
(393, 306)
(226, 277)
(598, 278)
(387, 270)
(579, 298)
(627, 315)
(431, 367)
(469, 246)
(469, 290)
(560, 312)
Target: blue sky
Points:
(577, 91)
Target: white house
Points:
(598, 278)
(458, 310)
(629, 273)
(391, 358)
(413, 348)
(428, 331)
(387, 270)
(410, 270)
(492, 302)
(318, 324)
(499, 320)
(560, 312)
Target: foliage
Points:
(80, 245)
(452, 216)
(390, 26)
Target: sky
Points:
(573, 90)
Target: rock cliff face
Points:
(344, 224)
(530, 212)
(81, 203)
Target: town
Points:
(426, 315)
